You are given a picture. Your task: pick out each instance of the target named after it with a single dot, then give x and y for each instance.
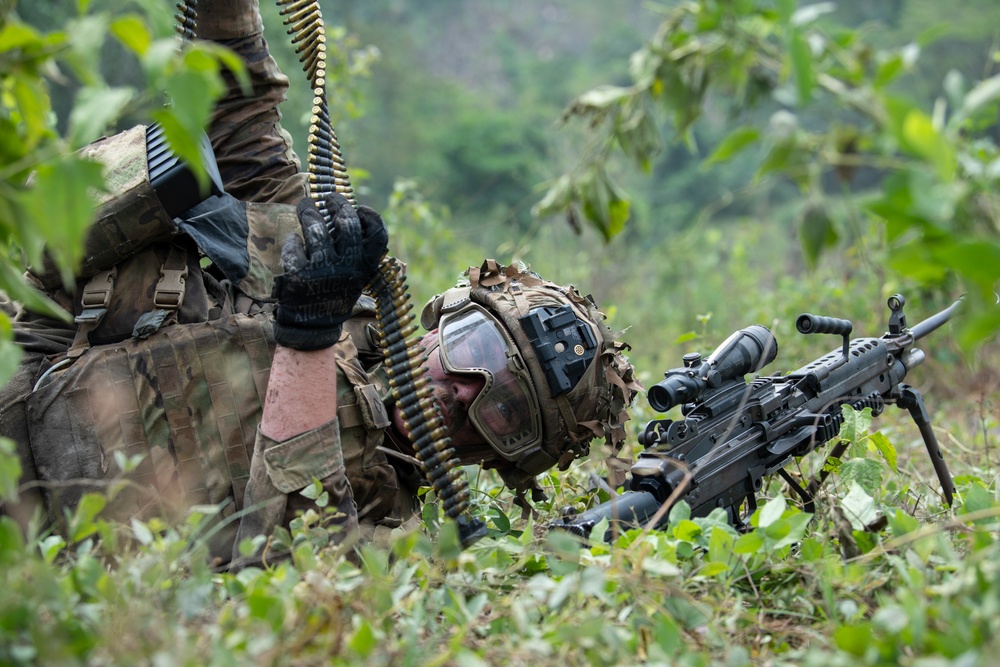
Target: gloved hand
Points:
(325, 272)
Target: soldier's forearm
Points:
(301, 392)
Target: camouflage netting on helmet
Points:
(595, 407)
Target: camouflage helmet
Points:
(581, 380)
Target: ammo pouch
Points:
(147, 188)
(188, 400)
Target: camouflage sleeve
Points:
(253, 151)
(279, 470)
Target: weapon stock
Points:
(734, 433)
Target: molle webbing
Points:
(189, 399)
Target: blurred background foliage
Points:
(696, 166)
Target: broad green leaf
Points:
(11, 540)
(771, 511)
(734, 143)
(141, 532)
(976, 260)
(748, 543)
(859, 507)
(660, 567)
(977, 498)
(801, 58)
(816, 231)
(921, 138)
(10, 470)
(16, 35)
(811, 13)
(720, 545)
(885, 448)
(855, 428)
(983, 93)
(786, 9)
(811, 549)
(50, 547)
(853, 639)
(602, 97)
(81, 524)
(901, 523)
(61, 208)
(132, 32)
(777, 530)
(33, 104)
(96, 109)
(687, 530)
(797, 524)
(713, 568)
(12, 282)
(863, 471)
(10, 357)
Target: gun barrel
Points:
(628, 510)
(920, 330)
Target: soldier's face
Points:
(454, 393)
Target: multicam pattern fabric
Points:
(189, 397)
(129, 215)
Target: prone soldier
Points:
(236, 367)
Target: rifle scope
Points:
(747, 350)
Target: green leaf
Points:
(720, 545)
(10, 470)
(801, 57)
(811, 549)
(363, 641)
(901, 523)
(81, 524)
(853, 639)
(10, 357)
(142, 532)
(921, 138)
(885, 448)
(713, 568)
(50, 547)
(132, 32)
(862, 471)
(855, 428)
(777, 530)
(33, 104)
(11, 540)
(95, 110)
(984, 93)
(859, 507)
(816, 231)
(12, 282)
(735, 142)
(748, 543)
(797, 525)
(771, 511)
(687, 530)
(977, 498)
(60, 207)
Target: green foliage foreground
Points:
(862, 582)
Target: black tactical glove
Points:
(325, 272)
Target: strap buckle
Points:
(96, 297)
(169, 292)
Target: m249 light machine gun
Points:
(735, 432)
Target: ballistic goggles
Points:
(506, 412)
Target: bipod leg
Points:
(808, 502)
(913, 400)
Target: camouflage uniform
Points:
(188, 398)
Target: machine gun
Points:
(735, 432)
